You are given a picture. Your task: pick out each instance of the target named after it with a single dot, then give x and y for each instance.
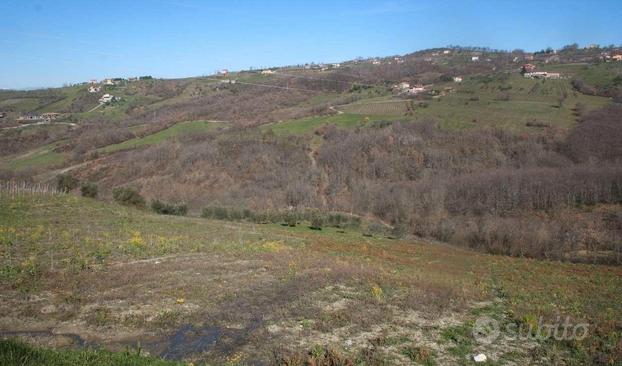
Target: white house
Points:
(542, 75)
(403, 86)
(457, 79)
(416, 90)
(107, 98)
(474, 58)
(446, 52)
(267, 72)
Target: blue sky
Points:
(48, 43)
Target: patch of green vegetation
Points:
(15, 353)
(156, 138)
(421, 355)
(602, 75)
(309, 124)
(42, 157)
(460, 339)
(501, 101)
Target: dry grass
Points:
(213, 291)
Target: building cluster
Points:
(47, 117)
(406, 88)
(529, 71)
(542, 75)
(608, 57)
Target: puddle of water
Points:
(188, 339)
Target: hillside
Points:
(76, 271)
(366, 212)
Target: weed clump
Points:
(66, 183)
(89, 190)
(128, 196)
(169, 209)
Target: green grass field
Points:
(309, 124)
(156, 138)
(42, 157)
(116, 276)
(477, 103)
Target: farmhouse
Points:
(94, 89)
(446, 52)
(107, 98)
(50, 116)
(92, 81)
(542, 75)
(474, 58)
(402, 86)
(457, 79)
(617, 57)
(267, 72)
(108, 82)
(417, 89)
(29, 117)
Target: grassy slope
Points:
(309, 124)
(530, 100)
(88, 241)
(176, 130)
(43, 156)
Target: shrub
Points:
(169, 209)
(290, 218)
(317, 221)
(373, 228)
(235, 215)
(89, 190)
(220, 213)
(337, 220)
(128, 196)
(398, 232)
(208, 212)
(66, 183)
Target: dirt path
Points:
(323, 182)
(94, 108)
(39, 124)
